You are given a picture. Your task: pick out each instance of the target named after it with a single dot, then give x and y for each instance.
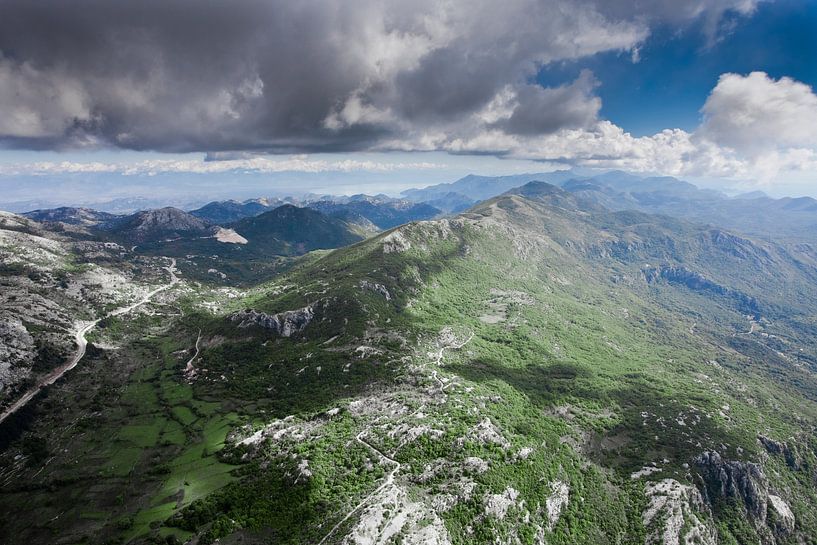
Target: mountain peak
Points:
(157, 224)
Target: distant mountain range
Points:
(70, 215)
(286, 230)
(221, 212)
(754, 213)
(121, 205)
(456, 196)
(372, 213)
(384, 215)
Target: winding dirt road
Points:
(388, 482)
(438, 357)
(189, 370)
(82, 329)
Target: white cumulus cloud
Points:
(756, 114)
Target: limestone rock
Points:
(285, 323)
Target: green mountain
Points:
(539, 369)
(289, 229)
(223, 212)
(384, 213)
(537, 366)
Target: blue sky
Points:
(371, 96)
(678, 68)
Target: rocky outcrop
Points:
(284, 324)
(780, 448)
(395, 242)
(734, 480)
(377, 288)
(556, 502)
(17, 350)
(497, 505)
(675, 515)
(745, 482)
(781, 514)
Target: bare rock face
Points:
(16, 349)
(783, 518)
(285, 323)
(395, 242)
(677, 515)
(729, 479)
(556, 502)
(780, 448)
(377, 288)
(746, 483)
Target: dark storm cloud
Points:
(289, 76)
(544, 111)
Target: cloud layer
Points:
(249, 165)
(337, 75)
(284, 76)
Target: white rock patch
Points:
(476, 465)
(486, 432)
(783, 511)
(395, 242)
(497, 505)
(644, 471)
(524, 453)
(559, 496)
(229, 236)
(678, 507)
(391, 513)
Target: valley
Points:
(536, 369)
(82, 329)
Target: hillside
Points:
(538, 369)
(157, 225)
(384, 214)
(50, 284)
(223, 212)
(526, 340)
(289, 229)
(70, 215)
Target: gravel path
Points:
(82, 329)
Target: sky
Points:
(186, 101)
